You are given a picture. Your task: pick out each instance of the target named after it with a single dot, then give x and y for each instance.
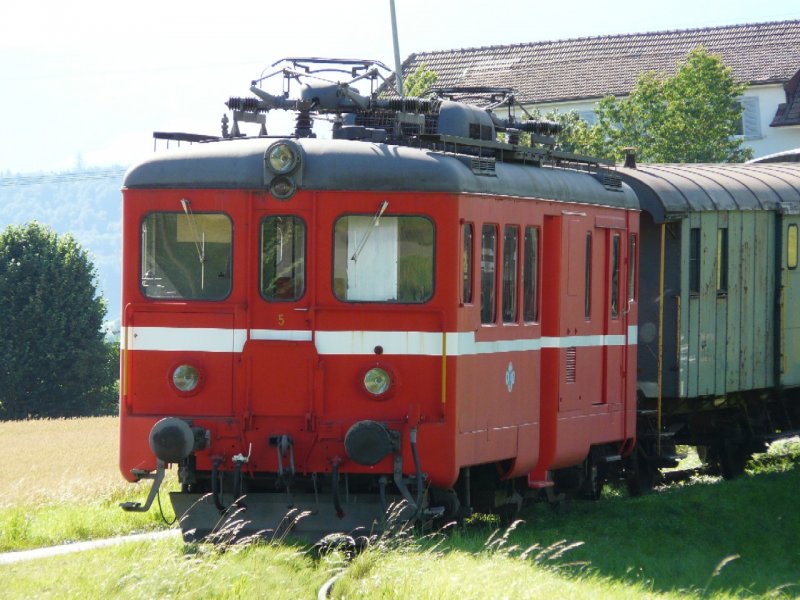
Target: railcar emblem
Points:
(511, 377)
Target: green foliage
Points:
(420, 81)
(53, 359)
(691, 116)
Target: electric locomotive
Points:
(413, 309)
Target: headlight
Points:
(282, 188)
(377, 381)
(186, 378)
(282, 157)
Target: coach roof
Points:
(362, 166)
(673, 190)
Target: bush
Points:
(54, 361)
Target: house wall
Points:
(761, 102)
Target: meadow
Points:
(703, 538)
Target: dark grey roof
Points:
(593, 67)
(792, 155)
(356, 165)
(671, 191)
(788, 112)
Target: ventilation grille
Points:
(571, 364)
(480, 165)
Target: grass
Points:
(703, 538)
(59, 482)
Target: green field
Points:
(704, 538)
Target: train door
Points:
(616, 313)
(790, 298)
(563, 319)
(279, 353)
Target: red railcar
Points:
(407, 310)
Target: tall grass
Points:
(703, 538)
(60, 482)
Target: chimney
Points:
(630, 157)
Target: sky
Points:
(85, 83)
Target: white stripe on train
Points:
(411, 343)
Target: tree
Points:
(419, 82)
(691, 116)
(54, 361)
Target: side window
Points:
(186, 256)
(386, 259)
(694, 260)
(722, 261)
(587, 290)
(488, 273)
(510, 262)
(632, 273)
(615, 248)
(530, 275)
(791, 247)
(283, 258)
(467, 262)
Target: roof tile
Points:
(592, 67)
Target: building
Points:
(574, 74)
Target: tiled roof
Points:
(593, 67)
(789, 112)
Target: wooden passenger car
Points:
(719, 341)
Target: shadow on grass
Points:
(709, 536)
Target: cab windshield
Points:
(383, 259)
(186, 256)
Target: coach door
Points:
(279, 353)
(790, 299)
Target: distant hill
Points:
(86, 203)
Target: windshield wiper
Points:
(375, 222)
(199, 241)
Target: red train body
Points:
(452, 321)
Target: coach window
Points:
(467, 263)
(488, 273)
(694, 260)
(722, 261)
(378, 258)
(530, 275)
(186, 256)
(791, 247)
(283, 258)
(615, 247)
(587, 278)
(510, 262)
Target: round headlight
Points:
(282, 188)
(186, 378)
(282, 157)
(377, 381)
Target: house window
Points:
(694, 260)
(588, 116)
(749, 125)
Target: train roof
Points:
(365, 166)
(670, 191)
